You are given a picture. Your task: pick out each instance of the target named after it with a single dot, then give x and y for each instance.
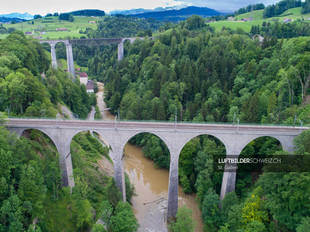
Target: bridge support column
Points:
(53, 55)
(119, 174)
(287, 143)
(65, 163)
(120, 49)
(229, 179)
(173, 186)
(70, 61)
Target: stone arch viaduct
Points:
(87, 42)
(174, 135)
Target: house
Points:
(259, 38)
(230, 18)
(61, 29)
(247, 19)
(92, 22)
(286, 20)
(28, 33)
(90, 86)
(83, 78)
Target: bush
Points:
(184, 221)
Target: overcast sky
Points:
(51, 6)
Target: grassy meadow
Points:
(46, 27)
(257, 19)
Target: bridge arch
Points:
(45, 132)
(282, 141)
(217, 137)
(97, 135)
(140, 177)
(259, 146)
(136, 133)
(197, 144)
(104, 137)
(69, 54)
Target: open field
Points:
(256, 15)
(46, 27)
(256, 18)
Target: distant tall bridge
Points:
(87, 42)
(174, 135)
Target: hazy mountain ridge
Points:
(88, 12)
(177, 15)
(142, 10)
(25, 16)
(6, 20)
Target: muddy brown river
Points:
(151, 187)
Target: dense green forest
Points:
(29, 88)
(305, 7)
(31, 195)
(124, 26)
(32, 198)
(200, 75)
(249, 8)
(281, 30)
(192, 73)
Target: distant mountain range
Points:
(7, 20)
(142, 10)
(25, 16)
(177, 15)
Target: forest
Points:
(192, 73)
(25, 92)
(280, 7)
(280, 30)
(249, 8)
(32, 197)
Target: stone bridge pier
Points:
(53, 55)
(88, 42)
(70, 61)
(120, 48)
(69, 53)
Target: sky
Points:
(50, 6)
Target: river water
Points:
(151, 187)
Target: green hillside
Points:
(256, 15)
(292, 12)
(46, 28)
(247, 20)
